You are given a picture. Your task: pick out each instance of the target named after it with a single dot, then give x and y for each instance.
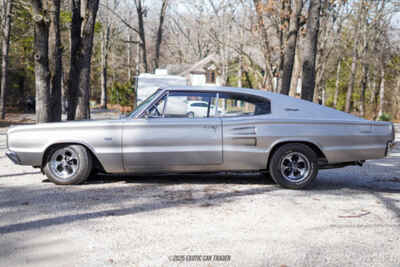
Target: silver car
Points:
(253, 130)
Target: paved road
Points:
(351, 217)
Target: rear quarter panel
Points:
(339, 141)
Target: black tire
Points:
(190, 114)
(294, 166)
(68, 164)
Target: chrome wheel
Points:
(64, 163)
(295, 167)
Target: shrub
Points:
(122, 94)
(385, 117)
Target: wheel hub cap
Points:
(64, 163)
(295, 167)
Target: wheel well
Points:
(315, 148)
(96, 163)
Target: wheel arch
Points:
(96, 162)
(315, 147)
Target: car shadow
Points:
(186, 178)
(165, 199)
(4, 124)
(18, 174)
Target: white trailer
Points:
(147, 84)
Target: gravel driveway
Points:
(351, 217)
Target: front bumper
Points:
(13, 157)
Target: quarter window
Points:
(234, 105)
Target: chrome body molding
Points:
(140, 144)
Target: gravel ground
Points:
(351, 217)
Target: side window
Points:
(234, 105)
(183, 104)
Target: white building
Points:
(202, 73)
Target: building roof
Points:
(198, 67)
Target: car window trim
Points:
(165, 104)
(250, 95)
(166, 94)
(150, 105)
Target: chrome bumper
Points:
(13, 157)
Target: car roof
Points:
(289, 107)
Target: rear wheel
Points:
(68, 164)
(294, 166)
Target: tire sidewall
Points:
(279, 155)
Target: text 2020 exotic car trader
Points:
(251, 130)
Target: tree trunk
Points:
(4, 56)
(104, 65)
(350, 87)
(141, 13)
(364, 84)
(42, 72)
(355, 56)
(129, 51)
(382, 93)
(164, 7)
(294, 84)
(290, 50)
(336, 96)
(55, 59)
(240, 70)
(89, 20)
(310, 50)
(74, 71)
(267, 50)
(84, 14)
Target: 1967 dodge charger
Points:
(230, 129)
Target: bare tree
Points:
(84, 14)
(105, 49)
(338, 68)
(55, 60)
(108, 33)
(141, 14)
(5, 30)
(267, 49)
(164, 7)
(42, 72)
(355, 56)
(310, 50)
(290, 50)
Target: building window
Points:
(211, 76)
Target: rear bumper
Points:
(13, 157)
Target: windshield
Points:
(142, 105)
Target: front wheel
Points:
(294, 166)
(68, 164)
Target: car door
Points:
(243, 119)
(167, 139)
